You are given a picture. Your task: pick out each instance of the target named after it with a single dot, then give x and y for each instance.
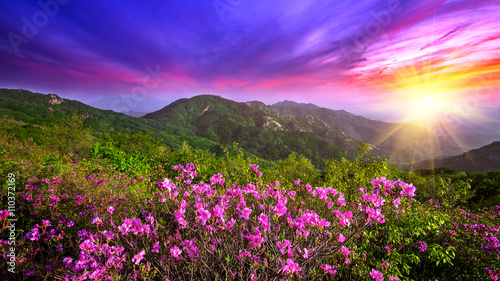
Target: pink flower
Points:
(137, 258)
(87, 246)
(283, 246)
(345, 218)
(126, 226)
(242, 204)
(245, 213)
(67, 262)
(255, 168)
(374, 214)
(96, 220)
(255, 240)
(408, 190)
(204, 215)
(264, 220)
(33, 234)
(422, 246)
(306, 253)
(4, 214)
(218, 212)
(397, 202)
(217, 179)
(340, 238)
(291, 267)
(391, 278)
(377, 275)
(179, 215)
(243, 254)
(156, 247)
(323, 223)
(230, 224)
(111, 209)
(328, 268)
(45, 223)
(280, 209)
(175, 252)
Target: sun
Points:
(428, 108)
(427, 102)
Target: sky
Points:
(391, 60)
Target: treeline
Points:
(150, 156)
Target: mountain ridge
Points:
(267, 131)
(255, 126)
(402, 142)
(480, 160)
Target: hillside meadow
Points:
(77, 204)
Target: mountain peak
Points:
(286, 103)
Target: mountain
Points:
(270, 132)
(34, 109)
(130, 105)
(205, 122)
(134, 113)
(257, 128)
(286, 103)
(475, 132)
(484, 159)
(403, 143)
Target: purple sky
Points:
(386, 58)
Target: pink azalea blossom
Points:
(175, 252)
(408, 190)
(230, 224)
(96, 220)
(255, 168)
(377, 275)
(328, 268)
(245, 213)
(291, 267)
(280, 209)
(137, 258)
(45, 223)
(340, 238)
(264, 220)
(397, 202)
(204, 215)
(218, 212)
(156, 247)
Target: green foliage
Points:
(485, 188)
(297, 167)
(446, 191)
(348, 176)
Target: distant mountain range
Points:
(267, 131)
(402, 143)
(484, 159)
(258, 129)
(130, 105)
